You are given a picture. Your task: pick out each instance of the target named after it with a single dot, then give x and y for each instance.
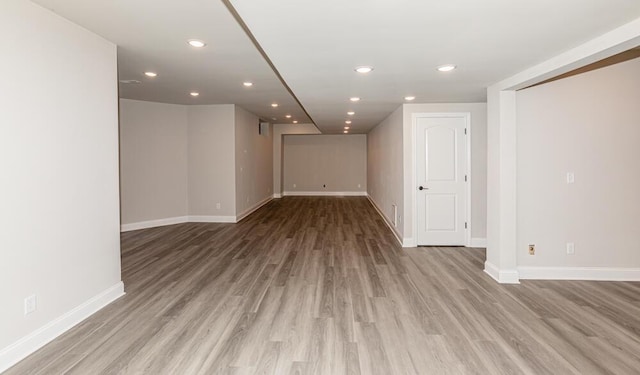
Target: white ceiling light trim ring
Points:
(446, 68)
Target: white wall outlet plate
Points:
(30, 304)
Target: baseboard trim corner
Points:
(409, 242)
(153, 223)
(501, 276)
(22, 348)
(255, 207)
(478, 242)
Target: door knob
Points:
(422, 188)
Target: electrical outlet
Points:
(532, 249)
(571, 178)
(30, 304)
(571, 248)
(295, 186)
(358, 185)
(217, 206)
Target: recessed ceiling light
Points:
(446, 68)
(197, 43)
(345, 131)
(287, 116)
(150, 74)
(247, 84)
(354, 99)
(274, 105)
(363, 69)
(295, 121)
(351, 113)
(348, 122)
(409, 98)
(194, 93)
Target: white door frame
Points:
(414, 159)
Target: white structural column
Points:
(501, 261)
(501, 186)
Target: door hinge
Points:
(465, 178)
(465, 225)
(465, 131)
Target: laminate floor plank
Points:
(320, 285)
(371, 351)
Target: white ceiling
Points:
(152, 35)
(314, 45)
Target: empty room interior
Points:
(327, 187)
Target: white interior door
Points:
(441, 162)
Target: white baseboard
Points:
(153, 223)
(501, 276)
(478, 242)
(386, 220)
(211, 219)
(409, 242)
(580, 273)
(250, 210)
(277, 196)
(192, 219)
(19, 350)
(326, 193)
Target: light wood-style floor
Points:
(319, 285)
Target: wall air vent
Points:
(130, 81)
